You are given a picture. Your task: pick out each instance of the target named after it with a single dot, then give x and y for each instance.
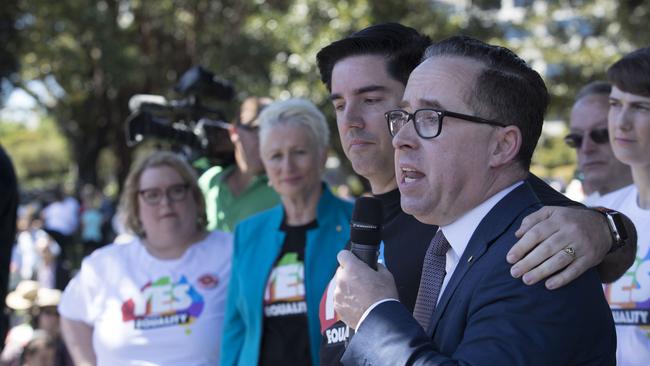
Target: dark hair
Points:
(597, 87)
(631, 74)
(401, 45)
(507, 90)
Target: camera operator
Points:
(238, 191)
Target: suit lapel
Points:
(491, 227)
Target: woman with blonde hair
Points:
(159, 299)
(285, 256)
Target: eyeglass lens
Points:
(427, 122)
(599, 136)
(174, 193)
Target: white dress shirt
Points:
(458, 234)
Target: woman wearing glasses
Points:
(159, 299)
(285, 256)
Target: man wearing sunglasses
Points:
(602, 172)
(464, 136)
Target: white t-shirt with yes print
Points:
(148, 311)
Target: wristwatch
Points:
(616, 227)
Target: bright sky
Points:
(20, 107)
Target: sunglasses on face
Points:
(598, 135)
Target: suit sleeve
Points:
(234, 329)
(507, 323)
(391, 336)
(512, 324)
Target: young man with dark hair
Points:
(462, 162)
(366, 74)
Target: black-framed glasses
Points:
(428, 121)
(597, 135)
(174, 193)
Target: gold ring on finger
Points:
(570, 252)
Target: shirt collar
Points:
(459, 232)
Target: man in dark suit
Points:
(467, 175)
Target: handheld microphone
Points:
(365, 230)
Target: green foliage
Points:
(573, 42)
(8, 40)
(553, 158)
(552, 152)
(94, 55)
(40, 155)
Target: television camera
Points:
(199, 129)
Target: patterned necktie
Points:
(433, 273)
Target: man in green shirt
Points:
(236, 192)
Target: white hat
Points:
(22, 298)
(47, 297)
(28, 294)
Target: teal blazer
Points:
(258, 242)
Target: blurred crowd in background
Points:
(55, 231)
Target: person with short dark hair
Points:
(629, 134)
(241, 190)
(602, 173)
(464, 134)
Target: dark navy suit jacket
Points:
(486, 317)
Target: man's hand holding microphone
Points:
(358, 284)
